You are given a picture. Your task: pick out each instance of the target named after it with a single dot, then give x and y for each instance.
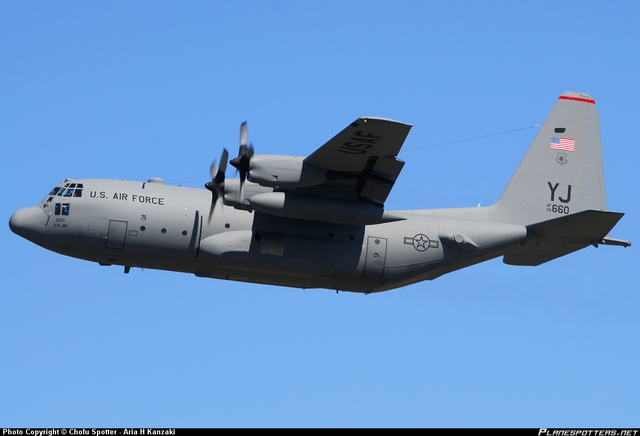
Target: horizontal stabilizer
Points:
(564, 235)
(618, 242)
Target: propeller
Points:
(241, 163)
(216, 185)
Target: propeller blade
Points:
(219, 177)
(217, 171)
(244, 135)
(213, 170)
(212, 207)
(241, 199)
(245, 152)
(216, 185)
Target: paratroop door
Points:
(376, 253)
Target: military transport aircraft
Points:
(320, 222)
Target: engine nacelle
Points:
(331, 210)
(232, 196)
(284, 171)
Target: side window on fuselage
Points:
(62, 209)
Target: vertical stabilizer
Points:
(562, 172)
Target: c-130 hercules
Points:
(320, 222)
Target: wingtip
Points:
(382, 119)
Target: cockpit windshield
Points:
(68, 190)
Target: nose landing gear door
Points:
(117, 234)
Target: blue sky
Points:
(133, 90)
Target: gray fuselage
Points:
(158, 226)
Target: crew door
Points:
(117, 234)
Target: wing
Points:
(360, 161)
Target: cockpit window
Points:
(68, 190)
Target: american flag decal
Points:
(562, 144)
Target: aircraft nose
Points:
(28, 222)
